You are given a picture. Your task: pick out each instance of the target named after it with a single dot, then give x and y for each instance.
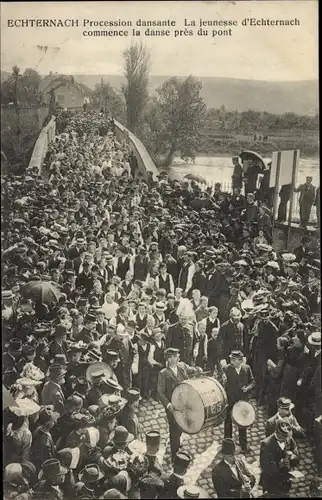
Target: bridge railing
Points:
(145, 162)
(46, 136)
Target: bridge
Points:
(147, 168)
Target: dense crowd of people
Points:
(107, 276)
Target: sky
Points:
(258, 53)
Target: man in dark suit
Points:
(231, 477)
(278, 454)
(231, 335)
(239, 383)
(168, 379)
(181, 336)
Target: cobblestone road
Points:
(204, 446)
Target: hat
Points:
(51, 468)
(47, 414)
(113, 493)
(91, 474)
(90, 318)
(59, 359)
(236, 355)
(122, 435)
(182, 460)
(95, 353)
(228, 447)
(69, 457)
(171, 351)
(235, 313)
(111, 355)
(111, 405)
(28, 382)
(27, 406)
(7, 294)
(60, 329)
(132, 395)
(153, 440)
(113, 384)
(315, 339)
(56, 371)
(264, 247)
(15, 345)
(288, 257)
(285, 404)
(283, 428)
(98, 374)
(191, 491)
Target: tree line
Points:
(172, 121)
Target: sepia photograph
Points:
(160, 250)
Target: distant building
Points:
(68, 92)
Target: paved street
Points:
(204, 446)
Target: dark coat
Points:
(226, 483)
(231, 337)
(236, 381)
(180, 338)
(167, 381)
(42, 448)
(171, 484)
(274, 477)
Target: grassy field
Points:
(222, 143)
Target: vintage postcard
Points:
(160, 244)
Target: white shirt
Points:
(233, 468)
(238, 369)
(281, 444)
(175, 370)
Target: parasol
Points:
(43, 291)
(252, 155)
(196, 177)
(7, 399)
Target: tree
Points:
(136, 71)
(182, 111)
(105, 95)
(21, 89)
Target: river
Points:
(220, 169)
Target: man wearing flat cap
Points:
(284, 412)
(278, 455)
(171, 376)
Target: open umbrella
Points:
(42, 291)
(196, 177)
(252, 155)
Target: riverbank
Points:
(229, 146)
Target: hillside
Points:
(274, 97)
(236, 94)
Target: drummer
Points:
(174, 373)
(239, 382)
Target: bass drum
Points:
(199, 403)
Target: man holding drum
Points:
(174, 373)
(239, 383)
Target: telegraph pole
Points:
(101, 94)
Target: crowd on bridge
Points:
(108, 276)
